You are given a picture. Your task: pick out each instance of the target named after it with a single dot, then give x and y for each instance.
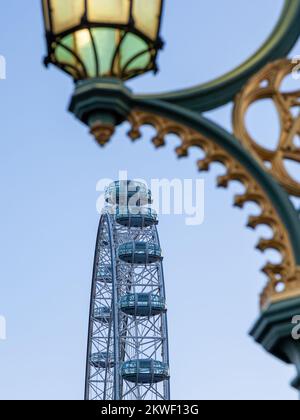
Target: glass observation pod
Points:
(140, 253)
(128, 193)
(136, 217)
(102, 314)
(142, 304)
(145, 371)
(105, 274)
(102, 360)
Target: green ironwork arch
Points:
(104, 103)
(205, 97)
(95, 101)
(279, 198)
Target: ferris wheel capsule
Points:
(140, 253)
(102, 314)
(142, 304)
(104, 274)
(145, 371)
(136, 217)
(102, 360)
(128, 193)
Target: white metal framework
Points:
(127, 356)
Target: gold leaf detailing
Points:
(267, 84)
(284, 278)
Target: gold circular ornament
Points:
(267, 84)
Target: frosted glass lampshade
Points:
(103, 38)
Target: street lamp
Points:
(103, 38)
(102, 43)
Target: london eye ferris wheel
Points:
(127, 355)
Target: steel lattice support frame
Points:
(124, 337)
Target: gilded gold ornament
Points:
(284, 278)
(267, 84)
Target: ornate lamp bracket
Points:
(104, 103)
(267, 84)
(273, 330)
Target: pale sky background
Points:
(49, 167)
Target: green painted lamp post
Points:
(274, 331)
(103, 43)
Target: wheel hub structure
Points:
(127, 355)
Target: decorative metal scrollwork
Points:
(267, 84)
(286, 274)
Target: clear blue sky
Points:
(49, 169)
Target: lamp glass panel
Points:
(146, 14)
(66, 14)
(63, 55)
(84, 49)
(132, 53)
(109, 11)
(105, 41)
(141, 62)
